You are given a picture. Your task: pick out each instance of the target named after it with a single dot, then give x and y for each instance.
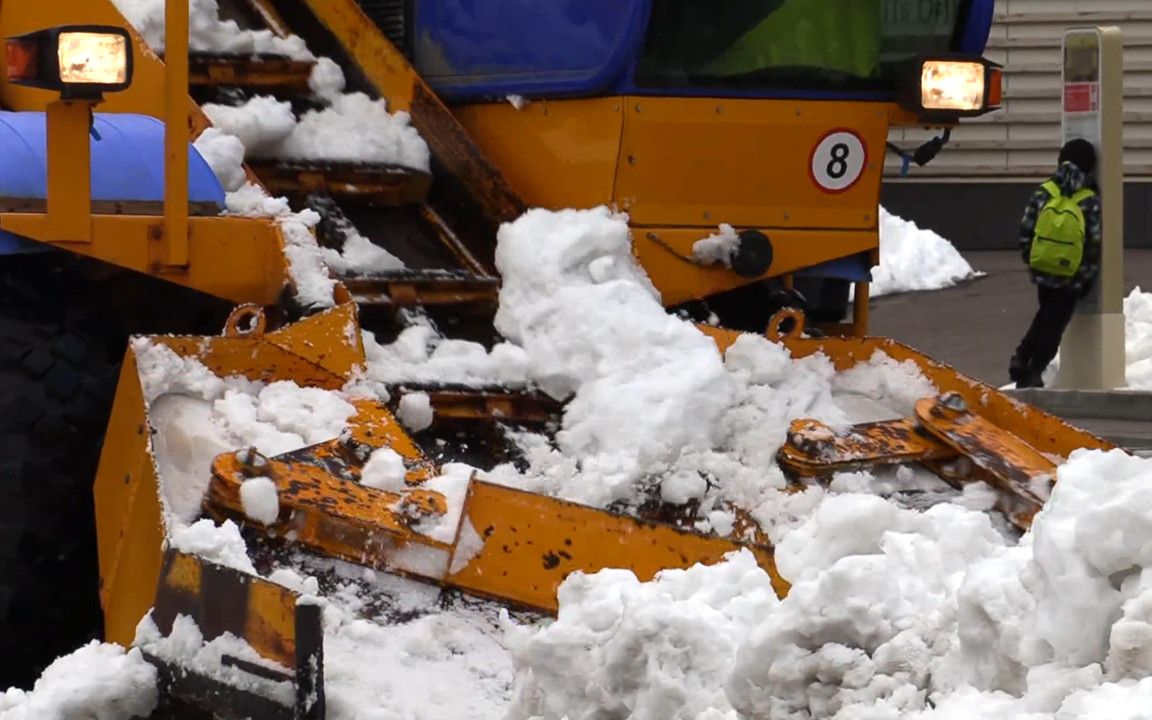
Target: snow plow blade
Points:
(284, 630)
(506, 544)
(319, 351)
(502, 544)
(971, 432)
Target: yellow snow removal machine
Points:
(763, 126)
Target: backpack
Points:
(1058, 241)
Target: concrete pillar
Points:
(1092, 351)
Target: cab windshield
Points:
(792, 44)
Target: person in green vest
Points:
(837, 35)
(1060, 242)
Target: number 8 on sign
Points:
(838, 161)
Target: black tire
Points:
(57, 379)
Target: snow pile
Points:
(650, 385)
(421, 355)
(1082, 596)
(869, 611)
(352, 128)
(915, 259)
(654, 408)
(1138, 338)
(661, 649)
(186, 647)
(431, 663)
(197, 416)
(96, 682)
(207, 32)
(1137, 343)
(892, 614)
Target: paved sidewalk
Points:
(975, 327)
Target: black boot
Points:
(1017, 369)
(1032, 379)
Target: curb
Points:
(1135, 405)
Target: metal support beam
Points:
(69, 201)
(176, 134)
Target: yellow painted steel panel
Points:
(750, 163)
(532, 542)
(664, 253)
(556, 153)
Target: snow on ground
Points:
(1138, 338)
(1137, 343)
(99, 681)
(912, 258)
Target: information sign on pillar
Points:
(1092, 351)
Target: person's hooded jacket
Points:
(1069, 179)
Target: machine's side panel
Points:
(557, 153)
(767, 164)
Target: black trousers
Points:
(1042, 341)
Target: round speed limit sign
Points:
(838, 161)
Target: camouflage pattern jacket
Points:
(1069, 179)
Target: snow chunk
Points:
(99, 681)
(327, 80)
(259, 499)
(384, 471)
(261, 124)
(421, 355)
(718, 248)
(221, 544)
(452, 483)
(224, 153)
(415, 411)
(360, 256)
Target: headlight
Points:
(93, 58)
(79, 61)
(949, 85)
(947, 88)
